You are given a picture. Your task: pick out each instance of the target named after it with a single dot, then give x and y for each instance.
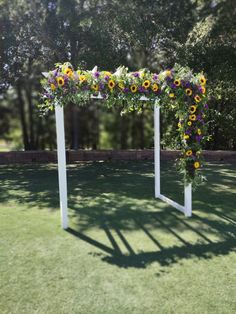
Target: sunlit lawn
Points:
(125, 252)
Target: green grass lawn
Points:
(125, 252)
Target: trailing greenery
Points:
(176, 89)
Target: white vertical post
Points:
(61, 157)
(188, 200)
(157, 149)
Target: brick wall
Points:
(92, 155)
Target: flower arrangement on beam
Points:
(177, 89)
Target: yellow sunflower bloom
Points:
(82, 78)
(111, 84)
(107, 73)
(155, 87)
(192, 117)
(167, 73)
(60, 81)
(68, 72)
(193, 109)
(202, 80)
(171, 95)
(189, 153)
(53, 87)
(199, 132)
(188, 91)
(95, 87)
(146, 84)
(133, 88)
(189, 123)
(177, 82)
(186, 136)
(196, 164)
(197, 98)
(179, 125)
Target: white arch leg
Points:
(188, 200)
(61, 157)
(187, 208)
(157, 150)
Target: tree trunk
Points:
(22, 115)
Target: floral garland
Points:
(176, 89)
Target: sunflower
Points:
(133, 88)
(202, 80)
(167, 73)
(171, 95)
(60, 81)
(53, 87)
(107, 73)
(199, 132)
(197, 98)
(68, 72)
(188, 91)
(192, 117)
(82, 78)
(146, 84)
(111, 84)
(189, 153)
(95, 87)
(193, 109)
(196, 164)
(186, 136)
(177, 82)
(179, 125)
(155, 87)
(189, 123)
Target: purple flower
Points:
(198, 138)
(206, 106)
(187, 84)
(136, 74)
(55, 72)
(199, 117)
(96, 74)
(101, 86)
(141, 89)
(172, 85)
(200, 89)
(126, 90)
(51, 80)
(155, 77)
(107, 78)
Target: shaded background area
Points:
(154, 34)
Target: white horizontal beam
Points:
(172, 203)
(99, 96)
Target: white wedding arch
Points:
(62, 176)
